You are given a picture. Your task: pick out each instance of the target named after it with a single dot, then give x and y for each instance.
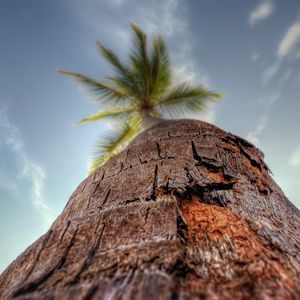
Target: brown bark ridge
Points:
(187, 211)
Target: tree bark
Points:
(187, 211)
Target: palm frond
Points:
(99, 91)
(125, 84)
(140, 61)
(185, 98)
(123, 71)
(110, 112)
(160, 62)
(114, 142)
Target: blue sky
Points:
(248, 49)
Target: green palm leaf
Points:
(161, 74)
(98, 90)
(123, 71)
(140, 61)
(185, 98)
(111, 112)
(114, 142)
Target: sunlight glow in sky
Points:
(248, 49)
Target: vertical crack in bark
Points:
(181, 225)
(67, 250)
(91, 292)
(103, 174)
(154, 185)
(195, 153)
(147, 214)
(158, 150)
(121, 167)
(92, 195)
(106, 197)
(128, 278)
(165, 186)
(65, 230)
(126, 157)
(181, 230)
(145, 217)
(34, 285)
(44, 244)
(95, 246)
(98, 233)
(189, 175)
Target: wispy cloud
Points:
(28, 170)
(288, 50)
(261, 12)
(289, 46)
(118, 2)
(295, 158)
(285, 77)
(254, 135)
(255, 57)
(161, 17)
(270, 72)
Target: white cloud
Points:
(269, 101)
(254, 135)
(295, 158)
(209, 116)
(285, 77)
(10, 136)
(163, 17)
(186, 69)
(270, 72)
(288, 49)
(288, 45)
(183, 73)
(261, 12)
(255, 57)
(117, 2)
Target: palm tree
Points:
(140, 95)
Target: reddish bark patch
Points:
(216, 177)
(251, 261)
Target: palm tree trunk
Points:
(149, 121)
(187, 211)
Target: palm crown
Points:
(140, 94)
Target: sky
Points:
(248, 49)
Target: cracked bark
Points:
(186, 211)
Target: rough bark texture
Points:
(187, 211)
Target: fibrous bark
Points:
(187, 211)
